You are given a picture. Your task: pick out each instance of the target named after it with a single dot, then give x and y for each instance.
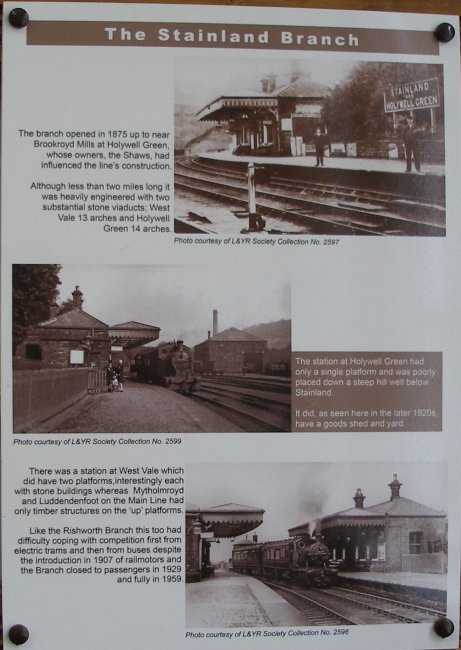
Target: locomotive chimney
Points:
(255, 538)
(77, 298)
(215, 322)
(395, 488)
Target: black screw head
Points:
(445, 32)
(18, 634)
(18, 17)
(444, 627)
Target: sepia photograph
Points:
(315, 544)
(150, 349)
(302, 147)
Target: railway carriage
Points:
(246, 557)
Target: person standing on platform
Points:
(119, 375)
(109, 376)
(411, 139)
(319, 141)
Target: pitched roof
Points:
(232, 507)
(354, 512)
(233, 334)
(134, 325)
(74, 319)
(403, 507)
(301, 87)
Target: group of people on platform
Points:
(115, 377)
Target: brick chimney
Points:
(359, 498)
(395, 488)
(54, 310)
(272, 79)
(77, 297)
(215, 322)
(265, 84)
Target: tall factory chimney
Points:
(215, 322)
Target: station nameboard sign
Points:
(412, 96)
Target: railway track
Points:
(322, 209)
(356, 607)
(257, 405)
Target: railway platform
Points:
(230, 600)
(333, 162)
(399, 580)
(215, 193)
(141, 408)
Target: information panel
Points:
(230, 328)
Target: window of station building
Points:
(33, 351)
(416, 543)
(435, 547)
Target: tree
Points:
(35, 289)
(354, 110)
(66, 305)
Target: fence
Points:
(40, 394)
(97, 381)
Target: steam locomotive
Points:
(296, 560)
(169, 364)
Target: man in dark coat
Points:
(411, 139)
(319, 141)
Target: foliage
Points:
(354, 110)
(35, 288)
(66, 305)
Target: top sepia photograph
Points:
(302, 147)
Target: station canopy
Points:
(133, 334)
(225, 108)
(229, 519)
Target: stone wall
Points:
(228, 356)
(193, 550)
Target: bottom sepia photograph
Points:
(315, 544)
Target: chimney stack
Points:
(255, 538)
(265, 84)
(272, 79)
(359, 498)
(77, 297)
(395, 488)
(215, 322)
(209, 334)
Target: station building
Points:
(273, 121)
(396, 535)
(207, 526)
(78, 339)
(232, 351)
